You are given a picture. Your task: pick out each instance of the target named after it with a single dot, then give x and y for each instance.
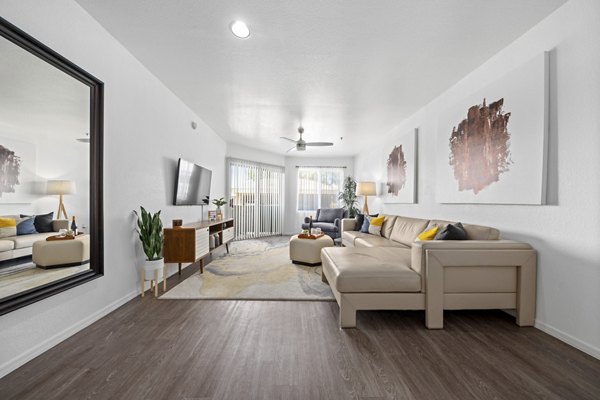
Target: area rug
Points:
(256, 269)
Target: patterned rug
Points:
(257, 269)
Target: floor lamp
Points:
(61, 187)
(366, 189)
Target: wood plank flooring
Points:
(189, 349)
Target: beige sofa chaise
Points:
(395, 272)
(21, 246)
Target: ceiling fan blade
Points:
(285, 138)
(292, 149)
(319, 144)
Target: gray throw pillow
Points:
(452, 232)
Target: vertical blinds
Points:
(319, 187)
(256, 198)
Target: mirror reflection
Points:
(44, 172)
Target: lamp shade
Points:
(60, 187)
(366, 189)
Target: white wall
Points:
(565, 232)
(146, 129)
(241, 152)
(294, 219)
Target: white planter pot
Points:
(151, 266)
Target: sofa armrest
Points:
(348, 224)
(419, 248)
(59, 224)
(437, 261)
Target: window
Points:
(319, 187)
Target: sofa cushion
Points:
(407, 229)
(370, 270)
(330, 214)
(451, 232)
(8, 227)
(325, 226)
(479, 232)
(28, 240)
(351, 236)
(376, 241)
(388, 224)
(6, 245)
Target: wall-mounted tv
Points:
(192, 184)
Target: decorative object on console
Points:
(177, 223)
(60, 187)
(219, 203)
(150, 231)
(348, 197)
(492, 145)
(212, 215)
(401, 169)
(366, 189)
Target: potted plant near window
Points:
(150, 231)
(348, 197)
(219, 203)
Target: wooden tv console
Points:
(191, 242)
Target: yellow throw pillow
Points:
(375, 225)
(428, 234)
(8, 227)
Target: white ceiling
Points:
(351, 69)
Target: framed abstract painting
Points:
(400, 169)
(492, 145)
(17, 171)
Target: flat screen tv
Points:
(192, 184)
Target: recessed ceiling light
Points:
(240, 29)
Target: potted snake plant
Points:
(150, 230)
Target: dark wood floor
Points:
(179, 349)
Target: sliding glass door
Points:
(256, 198)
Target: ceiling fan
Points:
(301, 143)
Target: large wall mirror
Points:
(50, 172)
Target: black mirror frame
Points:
(35, 47)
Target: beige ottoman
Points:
(308, 251)
(61, 253)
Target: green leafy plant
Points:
(150, 230)
(348, 196)
(219, 202)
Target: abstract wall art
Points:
(17, 171)
(492, 145)
(400, 168)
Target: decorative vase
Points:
(151, 266)
(219, 214)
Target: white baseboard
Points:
(47, 344)
(569, 339)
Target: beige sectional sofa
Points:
(395, 272)
(20, 246)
